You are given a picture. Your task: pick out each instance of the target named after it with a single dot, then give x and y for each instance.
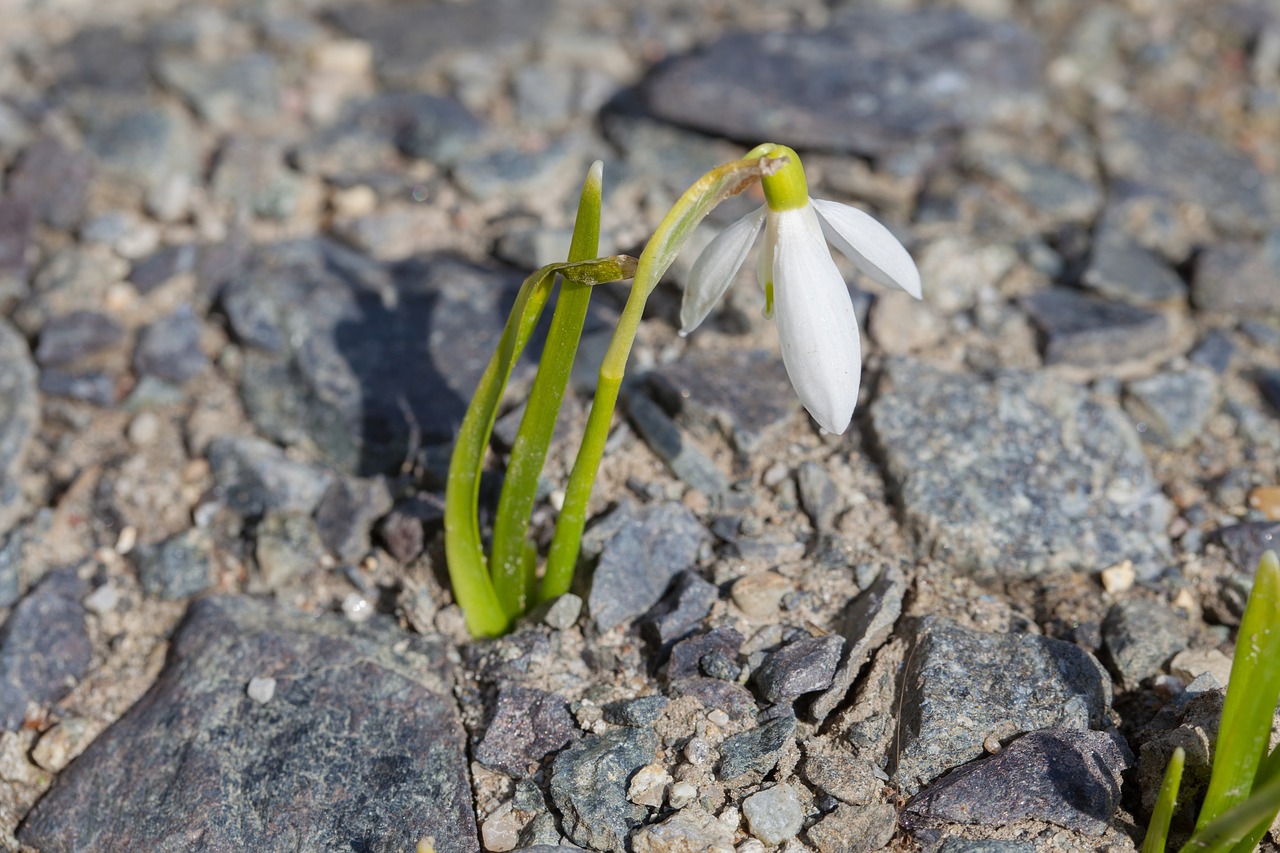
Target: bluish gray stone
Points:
(69, 337)
(641, 711)
(681, 609)
(1173, 408)
(966, 845)
(1248, 541)
(162, 266)
(1141, 636)
(146, 145)
(54, 181)
(44, 646)
(17, 224)
(1214, 351)
(252, 177)
(961, 686)
(688, 654)
(104, 59)
(1055, 195)
(666, 439)
(170, 348)
(527, 725)
(651, 547)
(869, 82)
(1082, 330)
(94, 387)
(225, 92)
(717, 694)
(347, 512)
(359, 748)
(1039, 477)
(747, 757)
(486, 175)
(589, 786)
(1238, 278)
(799, 667)
(178, 567)
(19, 418)
(818, 495)
(1269, 385)
(1065, 777)
(252, 476)
(1121, 269)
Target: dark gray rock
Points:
(681, 610)
(527, 726)
(1172, 408)
(715, 694)
(643, 711)
(1038, 476)
(1167, 159)
(1121, 269)
(347, 512)
(1247, 542)
(54, 181)
(1269, 385)
(404, 529)
(146, 145)
(849, 779)
(170, 348)
(817, 495)
(1055, 195)
(408, 39)
(1141, 636)
(966, 845)
(799, 667)
(225, 92)
(673, 447)
(962, 686)
(1214, 351)
(370, 359)
(1065, 777)
(17, 225)
(286, 546)
(252, 476)
(747, 757)
(178, 567)
(96, 388)
(163, 266)
(651, 547)
(1081, 330)
(1238, 278)
(105, 59)
(67, 338)
(44, 646)
(589, 786)
(867, 622)
(361, 727)
(1261, 332)
(688, 654)
(19, 418)
(516, 171)
(747, 395)
(868, 83)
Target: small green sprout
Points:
(1243, 797)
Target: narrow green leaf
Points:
(1268, 771)
(1226, 831)
(1166, 802)
(1252, 694)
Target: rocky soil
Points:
(254, 256)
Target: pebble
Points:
(252, 476)
(67, 338)
(1118, 578)
(866, 624)
(103, 599)
(799, 667)
(900, 324)
(688, 655)
(673, 447)
(872, 826)
(1119, 268)
(1089, 332)
(178, 567)
(640, 712)
(848, 779)
(1238, 278)
(527, 725)
(346, 514)
(818, 495)
(1213, 351)
(1140, 637)
(774, 814)
(747, 757)
(759, 595)
(1190, 664)
(44, 647)
(680, 610)
(563, 613)
(588, 786)
(288, 547)
(62, 743)
(500, 831)
(1266, 500)
(19, 418)
(170, 348)
(692, 829)
(682, 794)
(1246, 542)
(261, 689)
(54, 181)
(1172, 408)
(649, 785)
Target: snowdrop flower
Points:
(817, 328)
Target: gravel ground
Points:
(254, 257)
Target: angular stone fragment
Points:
(44, 647)
(671, 445)
(799, 667)
(1173, 408)
(865, 625)
(527, 724)
(19, 417)
(589, 786)
(1141, 636)
(1238, 278)
(1089, 332)
(747, 757)
(77, 334)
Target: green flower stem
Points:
(662, 248)
(1252, 694)
(472, 586)
(512, 561)
(1166, 802)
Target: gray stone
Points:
(12, 557)
(146, 145)
(162, 266)
(589, 786)
(817, 495)
(287, 546)
(54, 181)
(96, 388)
(867, 622)
(1261, 332)
(1121, 269)
(170, 348)
(966, 845)
(543, 94)
(747, 757)
(745, 394)
(1065, 777)
(252, 177)
(514, 171)
(690, 829)
(1189, 720)
(44, 646)
(870, 82)
(642, 711)
(665, 438)
(225, 92)
(848, 829)
(363, 708)
(17, 226)
(1248, 541)
(681, 609)
(178, 567)
(1269, 385)
(799, 667)
(1238, 278)
(408, 39)
(1057, 196)
(1173, 408)
(651, 547)
(252, 476)
(19, 418)
(1181, 164)
(962, 686)
(1214, 351)
(1038, 478)
(1081, 330)
(104, 59)
(67, 338)
(527, 726)
(846, 778)
(1140, 637)
(404, 529)
(715, 694)
(688, 654)
(774, 814)
(347, 513)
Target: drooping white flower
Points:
(817, 328)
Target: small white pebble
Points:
(751, 845)
(356, 607)
(126, 540)
(682, 793)
(1118, 578)
(556, 499)
(103, 599)
(649, 785)
(992, 744)
(261, 689)
(143, 429)
(718, 717)
(697, 752)
(729, 819)
(501, 830)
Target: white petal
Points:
(817, 328)
(715, 268)
(870, 245)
